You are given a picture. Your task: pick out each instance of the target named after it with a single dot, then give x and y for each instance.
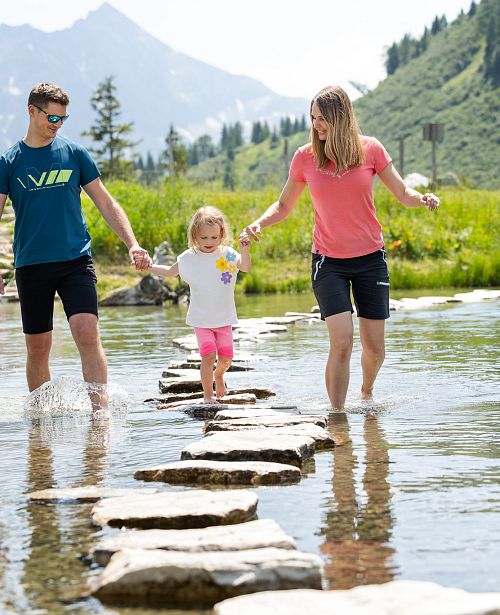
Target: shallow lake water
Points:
(414, 495)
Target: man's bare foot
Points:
(220, 387)
(210, 400)
(366, 395)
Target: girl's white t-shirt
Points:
(211, 278)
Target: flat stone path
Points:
(176, 510)
(206, 472)
(258, 534)
(251, 446)
(393, 598)
(207, 411)
(278, 419)
(85, 494)
(159, 578)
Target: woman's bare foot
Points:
(210, 400)
(220, 386)
(366, 395)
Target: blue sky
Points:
(295, 47)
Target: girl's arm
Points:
(405, 195)
(244, 263)
(279, 210)
(164, 271)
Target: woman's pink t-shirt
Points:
(345, 220)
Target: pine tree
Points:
(113, 149)
(175, 154)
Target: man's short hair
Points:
(44, 93)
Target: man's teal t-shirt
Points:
(44, 185)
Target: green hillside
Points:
(454, 82)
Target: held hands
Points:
(140, 258)
(431, 201)
(250, 233)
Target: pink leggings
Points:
(219, 340)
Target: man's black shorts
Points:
(74, 281)
(368, 275)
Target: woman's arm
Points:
(164, 271)
(279, 210)
(405, 195)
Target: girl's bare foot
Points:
(210, 400)
(220, 386)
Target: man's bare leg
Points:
(85, 331)
(337, 372)
(38, 347)
(372, 356)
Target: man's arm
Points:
(117, 220)
(3, 198)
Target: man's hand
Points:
(2, 286)
(140, 258)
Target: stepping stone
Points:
(479, 294)
(156, 578)
(324, 441)
(84, 494)
(251, 446)
(255, 411)
(238, 358)
(186, 343)
(177, 510)
(278, 419)
(207, 411)
(393, 598)
(188, 385)
(187, 365)
(257, 534)
(257, 326)
(208, 472)
(304, 315)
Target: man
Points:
(43, 175)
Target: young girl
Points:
(210, 267)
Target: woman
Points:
(339, 167)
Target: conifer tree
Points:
(175, 154)
(112, 149)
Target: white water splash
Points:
(69, 396)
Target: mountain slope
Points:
(445, 84)
(156, 85)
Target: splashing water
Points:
(69, 396)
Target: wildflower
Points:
(397, 243)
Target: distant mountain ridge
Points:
(156, 85)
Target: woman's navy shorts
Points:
(74, 281)
(367, 276)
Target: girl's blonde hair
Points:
(343, 143)
(213, 217)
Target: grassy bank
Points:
(457, 246)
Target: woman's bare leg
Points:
(372, 356)
(340, 331)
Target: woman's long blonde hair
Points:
(343, 143)
(213, 217)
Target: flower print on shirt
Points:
(221, 263)
(231, 267)
(231, 256)
(226, 277)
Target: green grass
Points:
(457, 246)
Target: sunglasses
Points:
(53, 119)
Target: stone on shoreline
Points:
(177, 510)
(394, 598)
(252, 446)
(207, 472)
(257, 534)
(157, 578)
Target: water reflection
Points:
(358, 528)
(55, 568)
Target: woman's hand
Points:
(431, 201)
